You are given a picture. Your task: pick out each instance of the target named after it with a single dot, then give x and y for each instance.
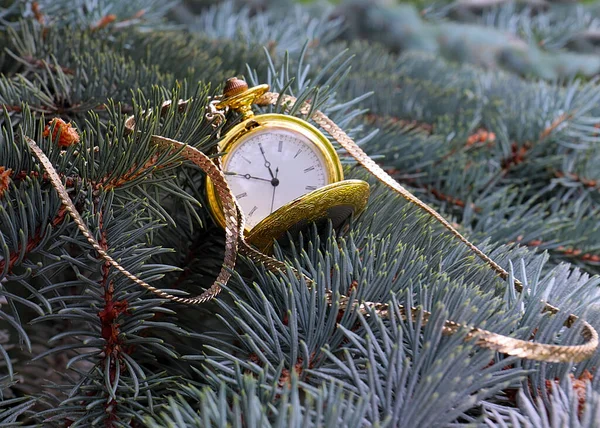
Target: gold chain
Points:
(234, 236)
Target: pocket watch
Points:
(283, 172)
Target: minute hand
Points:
(267, 163)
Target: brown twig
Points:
(125, 109)
(519, 153)
(32, 242)
(555, 124)
(564, 251)
(518, 156)
(587, 182)
(133, 173)
(373, 118)
(110, 327)
(438, 194)
(9, 109)
(40, 63)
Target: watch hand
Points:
(267, 163)
(275, 183)
(247, 176)
(275, 180)
(273, 198)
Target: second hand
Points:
(275, 183)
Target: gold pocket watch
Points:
(282, 170)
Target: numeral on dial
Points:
(241, 195)
(280, 147)
(252, 211)
(309, 169)
(311, 187)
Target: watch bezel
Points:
(260, 123)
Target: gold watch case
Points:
(238, 134)
(336, 201)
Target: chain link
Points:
(214, 115)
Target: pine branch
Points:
(508, 159)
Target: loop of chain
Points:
(214, 115)
(505, 344)
(234, 237)
(232, 231)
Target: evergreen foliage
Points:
(512, 159)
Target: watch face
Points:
(268, 168)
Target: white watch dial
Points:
(270, 168)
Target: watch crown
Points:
(234, 86)
(239, 98)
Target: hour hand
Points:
(247, 176)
